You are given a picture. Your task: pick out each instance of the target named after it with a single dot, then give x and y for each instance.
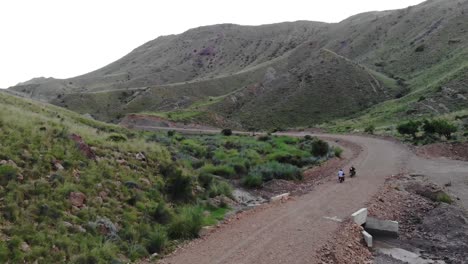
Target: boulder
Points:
(25, 247)
(77, 199)
(140, 156)
(58, 166)
(83, 147)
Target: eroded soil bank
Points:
(432, 224)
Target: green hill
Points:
(291, 74)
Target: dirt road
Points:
(291, 232)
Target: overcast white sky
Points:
(65, 38)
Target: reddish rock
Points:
(83, 147)
(77, 199)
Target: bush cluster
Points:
(429, 128)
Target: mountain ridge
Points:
(398, 46)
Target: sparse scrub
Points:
(117, 138)
(187, 223)
(337, 151)
(220, 170)
(370, 129)
(276, 170)
(157, 240)
(444, 198)
(252, 181)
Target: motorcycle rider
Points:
(341, 175)
(352, 171)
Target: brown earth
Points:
(455, 151)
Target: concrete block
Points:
(381, 227)
(360, 217)
(367, 238)
(281, 197)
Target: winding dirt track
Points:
(291, 232)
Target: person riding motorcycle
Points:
(341, 176)
(352, 171)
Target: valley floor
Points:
(292, 232)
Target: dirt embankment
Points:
(438, 230)
(455, 151)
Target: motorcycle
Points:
(341, 179)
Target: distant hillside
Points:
(288, 74)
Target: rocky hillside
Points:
(289, 74)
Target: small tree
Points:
(444, 128)
(409, 128)
(320, 148)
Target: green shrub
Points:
(276, 170)
(409, 128)
(4, 251)
(252, 181)
(429, 127)
(320, 148)
(220, 170)
(187, 223)
(171, 133)
(440, 127)
(420, 48)
(370, 129)
(444, 198)
(162, 214)
(226, 132)
(264, 138)
(205, 179)
(7, 173)
(117, 138)
(285, 157)
(193, 147)
(157, 240)
(220, 188)
(337, 151)
(136, 251)
(179, 186)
